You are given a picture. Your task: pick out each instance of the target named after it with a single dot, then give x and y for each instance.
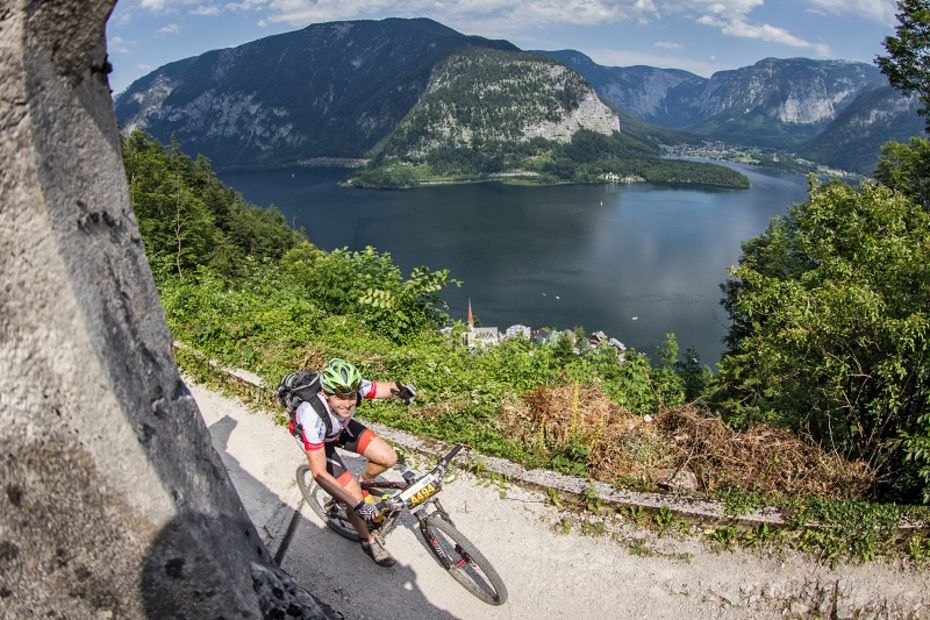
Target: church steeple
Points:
(471, 317)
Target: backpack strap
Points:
(320, 409)
(317, 405)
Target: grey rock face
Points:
(113, 501)
(328, 90)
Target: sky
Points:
(701, 36)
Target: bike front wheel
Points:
(331, 511)
(463, 561)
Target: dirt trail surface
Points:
(626, 572)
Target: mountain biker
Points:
(342, 389)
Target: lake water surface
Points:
(635, 261)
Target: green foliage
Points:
(907, 64)
(369, 286)
(759, 536)
(189, 219)
(906, 168)
(724, 538)
(831, 311)
(669, 385)
(698, 379)
(663, 520)
(640, 548)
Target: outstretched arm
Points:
(392, 389)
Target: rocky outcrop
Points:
(591, 114)
(487, 96)
(112, 500)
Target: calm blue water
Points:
(634, 261)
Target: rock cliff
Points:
(113, 502)
(487, 96)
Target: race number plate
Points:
(423, 494)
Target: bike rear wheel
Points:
(331, 511)
(463, 561)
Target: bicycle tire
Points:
(329, 510)
(468, 565)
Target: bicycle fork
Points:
(433, 541)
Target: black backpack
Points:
(302, 386)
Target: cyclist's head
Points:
(340, 377)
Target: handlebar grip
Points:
(451, 455)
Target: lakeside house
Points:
(491, 336)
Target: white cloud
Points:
(763, 32)
(207, 10)
(487, 15)
(246, 5)
(877, 10)
(143, 67)
(169, 29)
(732, 9)
(668, 45)
(119, 45)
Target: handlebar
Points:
(444, 461)
(395, 503)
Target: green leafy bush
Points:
(831, 318)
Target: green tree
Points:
(831, 330)
(189, 219)
(907, 64)
(697, 377)
(564, 349)
(906, 168)
(669, 386)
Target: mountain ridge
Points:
(349, 84)
(342, 89)
(758, 106)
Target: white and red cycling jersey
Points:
(314, 430)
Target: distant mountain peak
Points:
(338, 89)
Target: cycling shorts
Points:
(355, 437)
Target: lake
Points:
(635, 261)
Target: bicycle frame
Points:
(413, 497)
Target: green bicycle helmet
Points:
(340, 377)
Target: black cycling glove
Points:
(366, 512)
(405, 392)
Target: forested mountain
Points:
(780, 102)
(328, 90)
(854, 139)
(482, 96)
(834, 112)
(425, 102)
(408, 89)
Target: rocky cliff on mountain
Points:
(328, 90)
(484, 97)
(664, 97)
(854, 139)
(780, 102)
(833, 111)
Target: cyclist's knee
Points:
(385, 458)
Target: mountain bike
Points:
(418, 496)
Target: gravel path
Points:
(612, 570)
